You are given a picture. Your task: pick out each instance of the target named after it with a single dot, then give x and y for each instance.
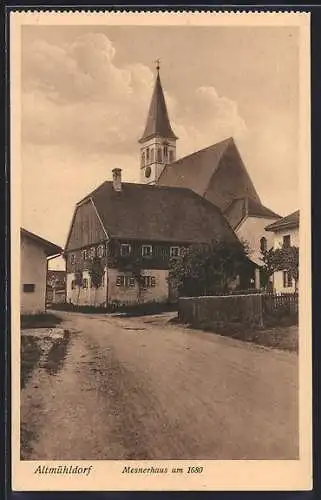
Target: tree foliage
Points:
(282, 259)
(208, 269)
(96, 272)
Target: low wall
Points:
(245, 309)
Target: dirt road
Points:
(137, 388)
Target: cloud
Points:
(75, 95)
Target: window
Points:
(92, 253)
(148, 281)
(29, 287)
(287, 280)
(72, 258)
(125, 249)
(85, 254)
(73, 284)
(147, 155)
(174, 252)
(143, 160)
(159, 155)
(100, 251)
(152, 155)
(165, 152)
(287, 241)
(125, 281)
(263, 244)
(85, 283)
(147, 250)
(171, 156)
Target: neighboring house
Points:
(248, 219)
(56, 287)
(133, 230)
(34, 253)
(285, 234)
(217, 173)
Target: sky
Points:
(86, 92)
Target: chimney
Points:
(117, 179)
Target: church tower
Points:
(158, 142)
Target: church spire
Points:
(158, 123)
(158, 142)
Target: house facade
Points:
(285, 233)
(34, 254)
(127, 233)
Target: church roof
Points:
(246, 207)
(290, 221)
(154, 213)
(216, 172)
(158, 123)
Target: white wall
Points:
(86, 296)
(278, 242)
(294, 234)
(33, 271)
(118, 294)
(251, 230)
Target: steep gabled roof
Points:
(246, 207)
(155, 213)
(290, 221)
(158, 123)
(194, 171)
(49, 247)
(216, 172)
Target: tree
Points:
(282, 259)
(208, 269)
(78, 281)
(96, 272)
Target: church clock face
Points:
(148, 172)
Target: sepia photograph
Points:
(160, 220)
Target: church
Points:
(137, 228)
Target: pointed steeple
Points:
(158, 124)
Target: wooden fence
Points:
(285, 304)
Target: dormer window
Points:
(152, 155)
(147, 250)
(125, 249)
(147, 155)
(143, 160)
(171, 156)
(159, 155)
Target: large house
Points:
(133, 230)
(285, 233)
(217, 173)
(35, 252)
